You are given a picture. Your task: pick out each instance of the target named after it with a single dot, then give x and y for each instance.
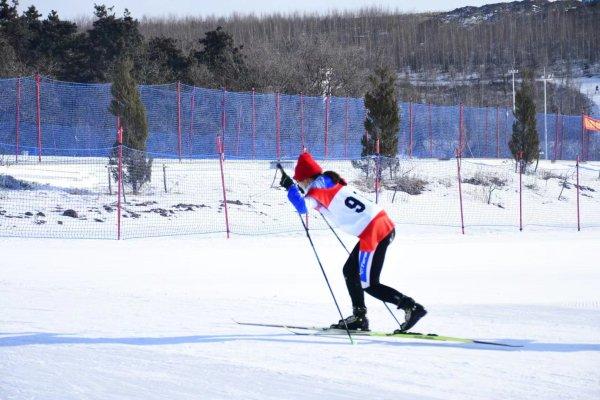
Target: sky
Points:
(68, 9)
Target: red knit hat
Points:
(306, 167)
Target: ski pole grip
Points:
(280, 167)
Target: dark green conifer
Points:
(127, 105)
(223, 59)
(524, 143)
(383, 120)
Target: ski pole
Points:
(322, 269)
(348, 251)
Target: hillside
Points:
(316, 54)
(495, 36)
(494, 12)
(472, 47)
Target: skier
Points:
(328, 193)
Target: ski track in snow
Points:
(152, 319)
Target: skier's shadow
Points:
(29, 339)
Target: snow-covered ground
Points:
(152, 318)
(590, 86)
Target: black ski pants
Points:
(352, 275)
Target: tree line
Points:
(313, 54)
(562, 30)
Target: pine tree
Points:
(9, 63)
(383, 120)
(127, 105)
(110, 39)
(7, 12)
(524, 143)
(223, 59)
(165, 62)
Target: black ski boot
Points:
(414, 312)
(356, 322)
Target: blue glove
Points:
(297, 199)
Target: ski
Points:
(325, 331)
(405, 335)
(308, 328)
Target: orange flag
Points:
(591, 124)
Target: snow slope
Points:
(152, 318)
(588, 87)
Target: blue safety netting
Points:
(184, 122)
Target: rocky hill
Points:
(493, 12)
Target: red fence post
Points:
(462, 217)
(17, 118)
(302, 139)
(460, 130)
(377, 170)
(192, 107)
(221, 151)
(277, 127)
(326, 123)
(582, 140)
(578, 211)
(253, 125)
(410, 129)
(179, 120)
(346, 131)
(430, 132)
(223, 122)
(38, 115)
(120, 175)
